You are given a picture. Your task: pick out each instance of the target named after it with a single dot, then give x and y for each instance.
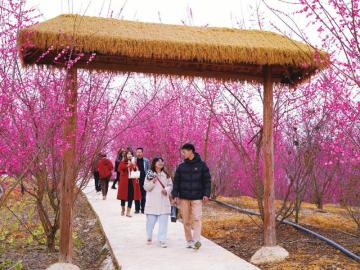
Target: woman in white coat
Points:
(158, 186)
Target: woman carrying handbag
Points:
(129, 186)
(158, 186)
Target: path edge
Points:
(114, 258)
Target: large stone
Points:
(63, 266)
(2, 191)
(269, 255)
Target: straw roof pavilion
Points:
(222, 53)
(125, 46)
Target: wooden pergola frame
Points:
(268, 74)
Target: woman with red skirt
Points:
(128, 189)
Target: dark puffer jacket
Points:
(192, 180)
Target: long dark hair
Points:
(125, 156)
(153, 163)
(120, 154)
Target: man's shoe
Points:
(190, 244)
(197, 245)
(137, 212)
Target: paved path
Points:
(127, 238)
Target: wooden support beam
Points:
(268, 153)
(68, 170)
(118, 64)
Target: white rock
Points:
(2, 191)
(107, 264)
(269, 255)
(92, 222)
(63, 266)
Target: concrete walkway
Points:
(127, 239)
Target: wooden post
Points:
(268, 152)
(68, 171)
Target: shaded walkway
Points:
(127, 238)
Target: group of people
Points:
(154, 191)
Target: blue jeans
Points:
(163, 226)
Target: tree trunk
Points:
(319, 203)
(50, 238)
(297, 209)
(206, 140)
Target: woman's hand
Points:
(164, 192)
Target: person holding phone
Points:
(128, 187)
(158, 186)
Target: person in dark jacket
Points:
(96, 173)
(192, 186)
(143, 165)
(119, 157)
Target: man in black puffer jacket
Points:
(192, 186)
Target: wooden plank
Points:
(268, 153)
(68, 172)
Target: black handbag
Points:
(174, 213)
(174, 210)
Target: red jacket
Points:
(123, 187)
(105, 168)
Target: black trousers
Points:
(129, 201)
(97, 181)
(117, 179)
(140, 204)
(130, 195)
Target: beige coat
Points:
(156, 202)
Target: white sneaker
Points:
(163, 245)
(190, 244)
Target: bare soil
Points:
(90, 249)
(242, 235)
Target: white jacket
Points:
(156, 202)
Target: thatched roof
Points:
(169, 49)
